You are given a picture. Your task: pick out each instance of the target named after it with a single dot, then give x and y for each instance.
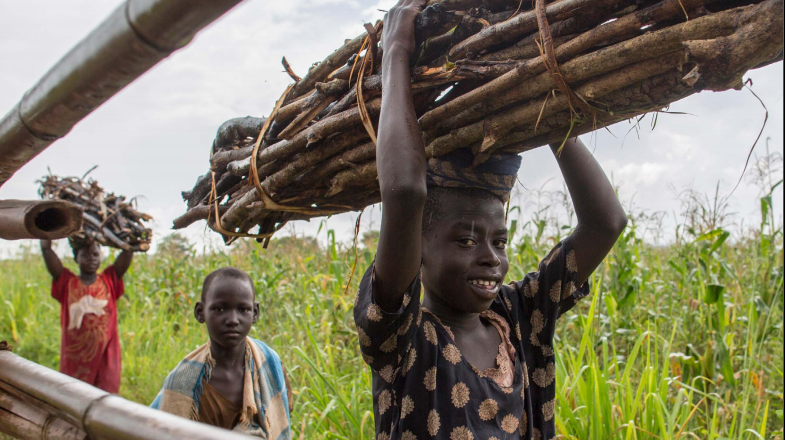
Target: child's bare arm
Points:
(123, 262)
(400, 158)
(601, 218)
(53, 263)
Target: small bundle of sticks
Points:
(108, 218)
(488, 75)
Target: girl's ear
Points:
(255, 311)
(199, 312)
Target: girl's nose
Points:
(488, 256)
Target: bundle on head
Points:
(492, 76)
(108, 219)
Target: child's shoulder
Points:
(66, 274)
(268, 351)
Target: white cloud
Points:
(646, 173)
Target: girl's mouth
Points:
(485, 287)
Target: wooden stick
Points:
(660, 91)
(313, 157)
(336, 163)
(494, 127)
(221, 159)
(317, 132)
(353, 177)
(288, 112)
(319, 168)
(201, 212)
(289, 70)
(109, 220)
(107, 233)
(598, 63)
(522, 24)
(320, 71)
(535, 66)
(308, 112)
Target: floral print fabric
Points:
(90, 347)
(423, 388)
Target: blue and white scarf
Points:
(265, 411)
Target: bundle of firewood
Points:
(488, 75)
(109, 219)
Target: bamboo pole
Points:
(38, 219)
(68, 401)
(134, 38)
(27, 418)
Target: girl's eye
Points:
(467, 242)
(501, 244)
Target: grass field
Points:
(676, 341)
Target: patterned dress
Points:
(90, 348)
(423, 387)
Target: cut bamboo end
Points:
(38, 219)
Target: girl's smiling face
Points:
(464, 255)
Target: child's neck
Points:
(87, 278)
(232, 357)
(449, 316)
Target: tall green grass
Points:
(676, 341)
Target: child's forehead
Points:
(476, 222)
(93, 247)
(472, 210)
(230, 288)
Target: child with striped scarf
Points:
(233, 381)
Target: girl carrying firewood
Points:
(474, 359)
(90, 347)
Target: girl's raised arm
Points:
(53, 263)
(601, 219)
(401, 162)
(123, 262)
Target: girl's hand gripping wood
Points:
(400, 158)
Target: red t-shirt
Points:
(90, 348)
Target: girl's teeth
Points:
(483, 282)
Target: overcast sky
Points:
(152, 139)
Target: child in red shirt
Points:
(90, 348)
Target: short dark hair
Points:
(436, 202)
(226, 272)
(78, 244)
